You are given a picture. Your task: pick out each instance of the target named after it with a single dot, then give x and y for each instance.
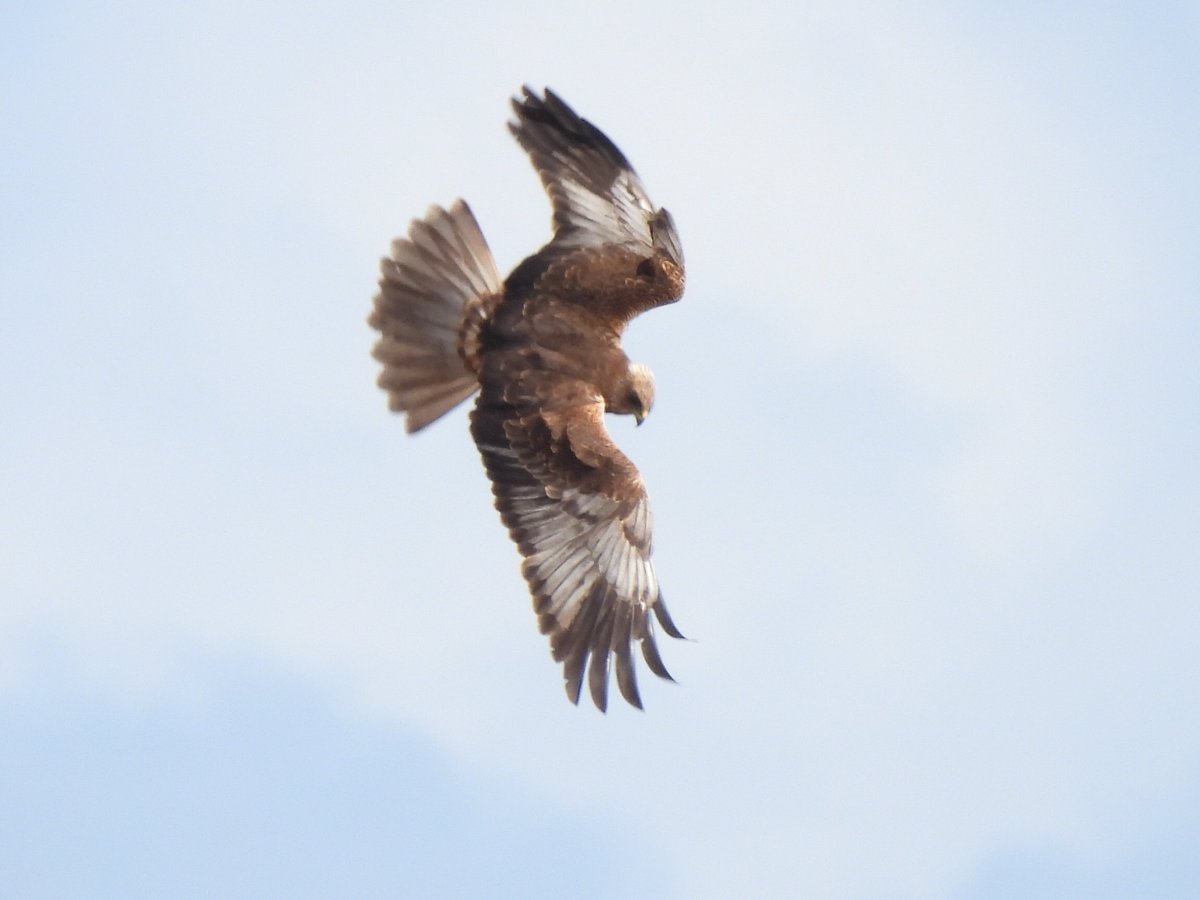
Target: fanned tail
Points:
(433, 291)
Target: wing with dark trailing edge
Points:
(597, 197)
(578, 512)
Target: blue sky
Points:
(922, 461)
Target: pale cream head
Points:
(639, 395)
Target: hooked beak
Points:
(640, 416)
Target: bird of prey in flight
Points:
(543, 350)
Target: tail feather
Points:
(430, 287)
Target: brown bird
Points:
(543, 348)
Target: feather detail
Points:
(434, 287)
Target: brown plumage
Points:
(543, 349)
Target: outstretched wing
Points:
(577, 510)
(597, 197)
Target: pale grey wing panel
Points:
(597, 197)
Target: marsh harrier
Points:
(543, 350)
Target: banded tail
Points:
(433, 292)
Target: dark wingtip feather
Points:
(558, 107)
(573, 677)
(598, 681)
(653, 660)
(664, 619)
(546, 120)
(525, 104)
(572, 646)
(627, 677)
(601, 640)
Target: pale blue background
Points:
(923, 459)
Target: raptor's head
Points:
(635, 394)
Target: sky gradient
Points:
(922, 459)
